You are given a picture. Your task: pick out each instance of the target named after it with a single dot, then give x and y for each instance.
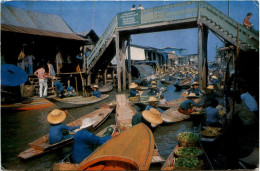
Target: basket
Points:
(187, 143)
(188, 168)
(197, 155)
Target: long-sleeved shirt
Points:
(197, 91)
(58, 86)
(148, 107)
(84, 144)
(97, 94)
(212, 115)
(249, 101)
(187, 104)
(56, 132)
(133, 93)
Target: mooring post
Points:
(119, 87)
(129, 60)
(123, 54)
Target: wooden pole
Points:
(76, 84)
(105, 77)
(123, 54)
(89, 78)
(83, 84)
(68, 82)
(129, 60)
(71, 117)
(119, 87)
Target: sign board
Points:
(129, 18)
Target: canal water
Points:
(20, 128)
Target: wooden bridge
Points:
(201, 15)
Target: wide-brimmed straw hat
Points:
(95, 86)
(153, 82)
(133, 85)
(87, 122)
(195, 83)
(192, 95)
(214, 77)
(210, 87)
(154, 86)
(152, 99)
(56, 116)
(153, 116)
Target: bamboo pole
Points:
(83, 83)
(76, 84)
(67, 112)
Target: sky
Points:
(85, 15)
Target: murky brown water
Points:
(20, 128)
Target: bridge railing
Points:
(226, 22)
(102, 41)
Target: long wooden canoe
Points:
(123, 117)
(67, 163)
(65, 103)
(106, 88)
(173, 115)
(174, 103)
(41, 145)
(131, 150)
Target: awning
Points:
(38, 32)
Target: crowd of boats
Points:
(140, 149)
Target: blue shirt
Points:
(214, 81)
(58, 86)
(187, 104)
(153, 92)
(249, 101)
(148, 107)
(84, 144)
(55, 133)
(197, 91)
(133, 93)
(97, 94)
(212, 115)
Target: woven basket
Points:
(188, 155)
(187, 143)
(187, 168)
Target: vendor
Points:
(133, 91)
(212, 115)
(154, 91)
(195, 89)
(152, 102)
(96, 92)
(59, 88)
(210, 95)
(58, 131)
(186, 106)
(85, 141)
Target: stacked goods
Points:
(188, 151)
(211, 131)
(133, 99)
(187, 139)
(185, 163)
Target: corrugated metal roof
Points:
(30, 19)
(32, 31)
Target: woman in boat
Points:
(210, 95)
(96, 92)
(154, 91)
(162, 100)
(195, 89)
(58, 131)
(152, 102)
(212, 115)
(59, 88)
(85, 141)
(187, 105)
(133, 91)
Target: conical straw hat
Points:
(210, 87)
(152, 99)
(56, 116)
(133, 85)
(95, 86)
(195, 83)
(154, 86)
(192, 95)
(153, 82)
(153, 116)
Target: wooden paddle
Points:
(67, 112)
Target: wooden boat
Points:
(106, 88)
(174, 103)
(131, 150)
(77, 102)
(67, 163)
(173, 115)
(41, 145)
(65, 103)
(123, 117)
(185, 84)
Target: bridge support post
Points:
(119, 87)
(202, 55)
(123, 56)
(129, 60)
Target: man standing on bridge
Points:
(246, 21)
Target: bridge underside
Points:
(158, 27)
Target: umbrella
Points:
(12, 75)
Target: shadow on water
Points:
(20, 128)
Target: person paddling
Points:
(96, 92)
(58, 131)
(187, 105)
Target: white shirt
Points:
(249, 101)
(162, 102)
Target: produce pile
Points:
(211, 131)
(188, 136)
(190, 162)
(132, 99)
(188, 151)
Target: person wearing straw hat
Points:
(96, 92)
(212, 115)
(59, 88)
(154, 91)
(57, 128)
(210, 95)
(133, 91)
(85, 142)
(214, 80)
(152, 101)
(187, 105)
(195, 89)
